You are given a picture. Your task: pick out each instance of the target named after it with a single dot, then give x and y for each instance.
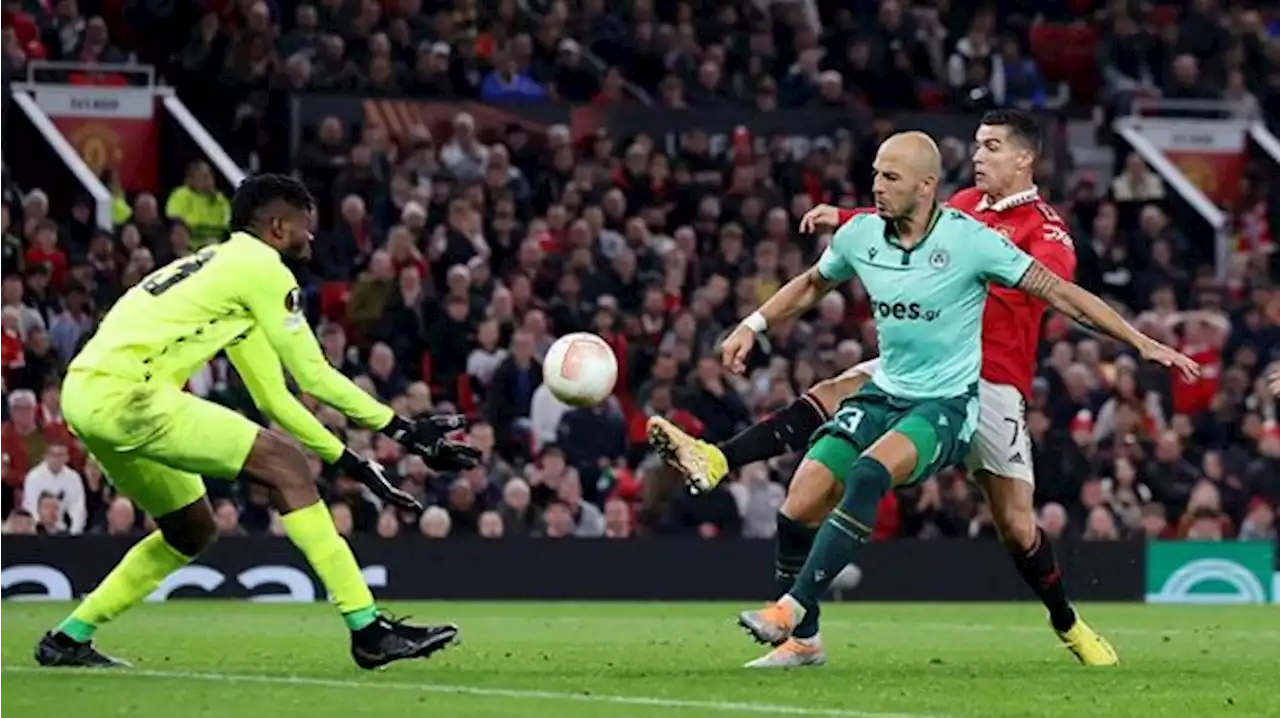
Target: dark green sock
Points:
(844, 532)
(791, 548)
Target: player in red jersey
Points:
(1005, 199)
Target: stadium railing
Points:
(85, 177)
(99, 117)
(1199, 148)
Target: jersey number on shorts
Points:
(1017, 430)
(849, 419)
(171, 276)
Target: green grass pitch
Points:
(601, 660)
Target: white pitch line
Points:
(854, 624)
(674, 703)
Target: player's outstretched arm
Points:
(274, 300)
(1084, 307)
(793, 299)
(260, 369)
(263, 376)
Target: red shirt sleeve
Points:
(1051, 245)
(847, 214)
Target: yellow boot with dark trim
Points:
(702, 464)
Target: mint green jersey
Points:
(927, 301)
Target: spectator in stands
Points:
(1187, 82)
(557, 521)
(26, 441)
(50, 520)
(435, 523)
(12, 258)
(1137, 183)
(227, 518)
(121, 518)
(464, 156)
(1054, 520)
(388, 523)
(618, 523)
(518, 516)
(445, 254)
(54, 479)
(199, 205)
(19, 523)
(490, 525)
(71, 325)
(759, 500)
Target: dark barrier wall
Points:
(651, 569)
(801, 126)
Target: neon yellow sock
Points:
(311, 529)
(129, 583)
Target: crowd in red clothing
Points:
(445, 268)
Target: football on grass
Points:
(580, 369)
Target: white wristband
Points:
(756, 323)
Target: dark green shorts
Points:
(941, 429)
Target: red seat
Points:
(931, 98)
(333, 300)
(1068, 53)
(1162, 15)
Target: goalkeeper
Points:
(123, 397)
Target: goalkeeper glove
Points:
(374, 475)
(428, 438)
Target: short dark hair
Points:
(1021, 124)
(256, 192)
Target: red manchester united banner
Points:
(1211, 153)
(111, 127)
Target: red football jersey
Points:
(1011, 321)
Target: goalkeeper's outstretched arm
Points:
(274, 300)
(263, 376)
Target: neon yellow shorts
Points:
(155, 442)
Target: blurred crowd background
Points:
(445, 266)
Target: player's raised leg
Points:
(704, 465)
(924, 437)
(1001, 463)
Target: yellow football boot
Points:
(1089, 648)
(702, 464)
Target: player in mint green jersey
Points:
(926, 270)
(123, 398)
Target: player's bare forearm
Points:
(1079, 305)
(796, 296)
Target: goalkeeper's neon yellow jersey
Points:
(238, 296)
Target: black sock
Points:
(781, 432)
(1040, 570)
(791, 548)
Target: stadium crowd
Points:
(445, 267)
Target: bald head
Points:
(907, 168)
(916, 150)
